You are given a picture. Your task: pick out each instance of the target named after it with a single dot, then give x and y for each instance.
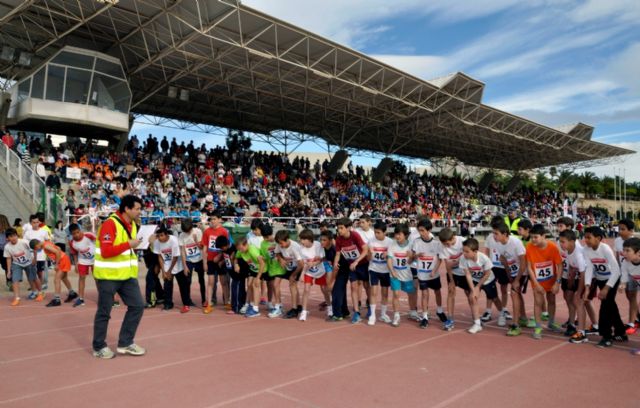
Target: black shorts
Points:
(433, 284)
(501, 275)
(461, 282)
(266, 277)
(360, 274)
(287, 275)
(524, 281)
(564, 284)
(489, 289)
(40, 266)
(382, 279)
(213, 268)
(414, 273)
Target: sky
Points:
(555, 62)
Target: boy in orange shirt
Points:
(62, 265)
(545, 272)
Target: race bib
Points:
(350, 253)
(227, 261)
(192, 251)
(601, 268)
(379, 255)
(400, 261)
(21, 260)
(425, 264)
(514, 268)
(455, 262)
(291, 265)
(166, 257)
(87, 255)
(496, 259)
(544, 271)
(212, 244)
(476, 273)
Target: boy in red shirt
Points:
(213, 263)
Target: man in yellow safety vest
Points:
(512, 220)
(116, 271)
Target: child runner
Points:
(250, 255)
(288, 254)
(172, 265)
(625, 229)
(425, 250)
(214, 260)
(367, 233)
(190, 240)
(82, 248)
(379, 272)
(19, 261)
(631, 267)
(545, 272)
(499, 270)
(326, 240)
(512, 255)
(238, 279)
(314, 272)
(398, 260)
(477, 268)
(351, 257)
(62, 266)
(602, 267)
(450, 253)
(569, 282)
(274, 271)
(36, 232)
(576, 266)
(524, 231)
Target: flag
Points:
(565, 208)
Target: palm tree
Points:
(564, 177)
(588, 182)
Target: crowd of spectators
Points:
(178, 180)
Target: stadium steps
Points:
(14, 203)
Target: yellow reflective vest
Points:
(119, 267)
(513, 225)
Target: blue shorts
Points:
(378, 278)
(405, 286)
(16, 273)
(360, 274)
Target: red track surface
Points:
(197, 360)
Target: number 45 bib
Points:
(544, 271)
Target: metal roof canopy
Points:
(247, 70)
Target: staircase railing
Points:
(27, 180)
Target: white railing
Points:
(27, 180)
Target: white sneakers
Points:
(502, 320)
(372, 320)
(396, 320)
(385, 318)
(106, 353)
(303, 316)
(475, 329)
(329, 311)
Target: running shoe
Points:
(424, 323)
(45, 287)
(449, 325)
(592, 330)
(72, 295)
(185, 309)
(475, 329)
(263, 301)
(54, 302)
(79, 302)
(227, 306)
(565, 324)
(514, 331)
(537, 333)
(303, 316)
(545, 316)
(104, 353)
(522, 322)
(396, 320)
(167, 307)
(502, 320)
(604, 343)
(372, 320)
(531, 324)
(571, 330)
(631, 330)
(277, 312)
(291, 314)
(621, 338)
(40, 297)
(442, 316)
(335, 319)
(385, 318)
(413, 315)
(207, 309)
(578, 338)
(635, 352)
(554, 327)
(356, 318)
(486, 316)
(32, 295)
(330, 311)
(16, 302)
(150, 305)
(507, 315)
(251, 312)
(132, 350)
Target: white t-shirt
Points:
(366, 236)
(563, 254)
(453, 255)
(618, 246)
(512, 251)
(379, 250)
(311, 255)
(630, 272)
(604, 266)
(168, 250)
(478, 267)
(41, 235)
(494, 255)
(253, 239)
(575, 261)
(399, 255)
(20, 253)
(85, 249)
(191, 248)
(426, 257)
(291, 255)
